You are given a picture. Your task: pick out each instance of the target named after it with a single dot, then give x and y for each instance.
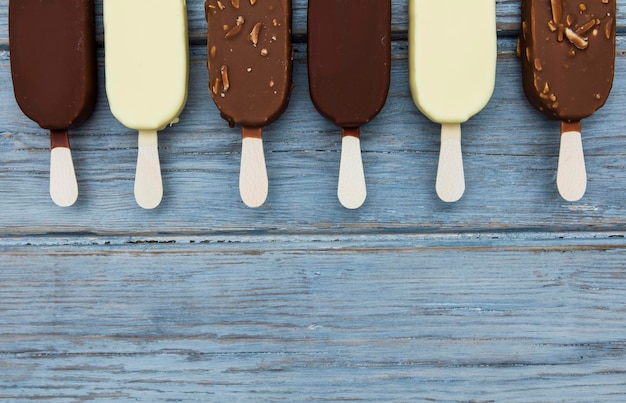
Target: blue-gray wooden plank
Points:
(208, 323)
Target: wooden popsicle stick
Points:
(253, 182)
(148, 182)
(450, 183)
(571, 177)
(63, 184)
(351, 189)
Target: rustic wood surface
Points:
(511, 294)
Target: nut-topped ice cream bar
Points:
(567, 50)
(250, 65)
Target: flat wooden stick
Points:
(63, 184)
(253, 182)
(571, 177)
(351, 189)
(450, 183)
(148, 182)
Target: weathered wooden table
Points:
(511, 294)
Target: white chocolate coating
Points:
(147, 61)
(452, 57)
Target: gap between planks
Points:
(242, 244)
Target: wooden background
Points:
(511, 294)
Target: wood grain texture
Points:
(511, 294)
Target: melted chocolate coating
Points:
(568, 54)
(349, 58)
(249, 59)
(53, 60)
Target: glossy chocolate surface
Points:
(53, 60)
(349, 58)
(568, 54)
(249, 59)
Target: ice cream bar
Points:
(452, 61)
(147, 65)
(567, 50)
(53, 65)
(250, 64)
(349, 55)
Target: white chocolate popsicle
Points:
(452, 70)
(147, 64)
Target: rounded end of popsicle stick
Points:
(63, 184)
(450, 184)
(571, 177)
(351, 189)
(148, 182)
(253, 182)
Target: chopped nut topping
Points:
(560, 35)
(546, 88)
(569, 20)
(608, 28)
(254, 34)
(209, 8)
(538, 66)
(235, 3)
(583, 29)
(220, 5)
(264, 52)
(552, 26)
(216, 86)
(275, 22)
(234, 31)
(557, 10)
(225, 80)
(213, 51)
(576, 40)
(252, 2)
(271, 83)
(582, 7)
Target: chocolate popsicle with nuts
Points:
(53, 66)
(349, 52)
(250, 66)
(567, 50)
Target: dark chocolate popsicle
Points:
(567, 50)
(250, 65)
(349, 55)
(53, 65)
